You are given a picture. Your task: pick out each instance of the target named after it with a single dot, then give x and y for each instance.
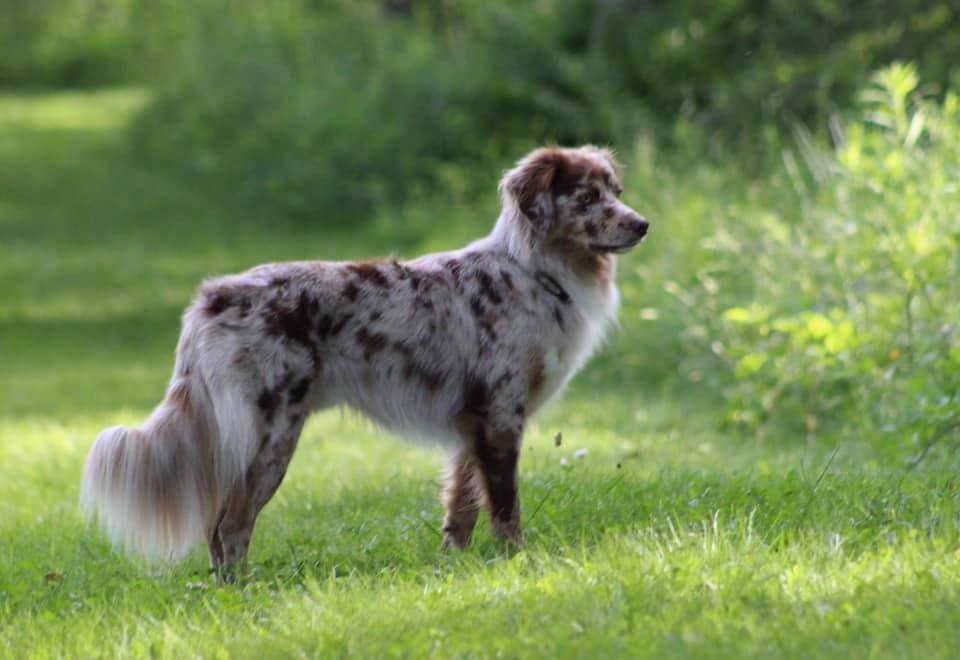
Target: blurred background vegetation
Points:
(798, 160)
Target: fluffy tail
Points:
(159, 488)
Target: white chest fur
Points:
(593, 313)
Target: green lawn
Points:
(668, 538)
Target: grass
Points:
(668, 538)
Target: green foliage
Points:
(289, 103)
(667, 539)
(851, 316)
(738, 65)
(281, 101)
(55, 43)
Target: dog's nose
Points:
(640, 226)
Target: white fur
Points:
(483, 335)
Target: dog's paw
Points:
(455, 537)
(508, 532)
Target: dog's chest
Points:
(566, 351)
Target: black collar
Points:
(552, 286)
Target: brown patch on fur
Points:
(571, 172)
(324, 326)
(402, 271)
(456, 268)
(476, 396)
(476, 306)
(372, 342)
(351, 291)
(507, 279)
(369, 271)
(432, 379)
(485, 319)
(590, 229)
(431, 279)
(294, 323)
(403, 349)
(267, 402)
(586, 264)
(535, 176)
(498, 454)
(338, 326)
(487, 323)
(487, 288)
(425, 303)
(463, 498)
(216, 304)
(218, 297)
(290, 322)
(537, 374)
(299, 391)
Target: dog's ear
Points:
(530, 186)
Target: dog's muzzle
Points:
(638, 226)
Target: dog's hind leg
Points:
(229, 538)
(463, 497)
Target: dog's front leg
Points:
(498, 453)
(463, 497)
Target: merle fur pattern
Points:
(459, 347)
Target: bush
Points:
(332, 112)
(847, 308)
(57, 43)
(287, 100)
(741, 64)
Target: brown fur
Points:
(462, 347)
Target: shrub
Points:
(848, 308)
(55, 43)
(331, 112)
(285, 100)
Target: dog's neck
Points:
(560, 259)
(513, 233)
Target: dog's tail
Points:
(158, 489)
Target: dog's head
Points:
(570, 198)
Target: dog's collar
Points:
(552, 286)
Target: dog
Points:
(460, 347)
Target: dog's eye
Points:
(588, 197)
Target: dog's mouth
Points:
(615, 249)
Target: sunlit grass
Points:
(107, 110)
(650, 533)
